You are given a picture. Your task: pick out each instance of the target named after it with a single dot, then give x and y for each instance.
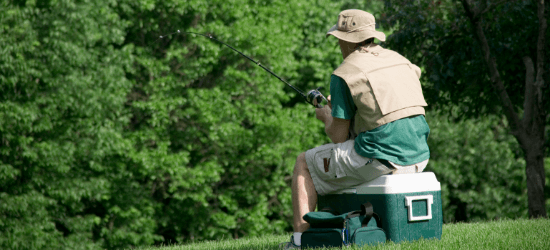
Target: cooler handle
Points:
(429, 200)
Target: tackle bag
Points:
(328, 229)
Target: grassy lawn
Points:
(504, 234)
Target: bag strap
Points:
(378, 220)
(368, 212)
(353, 214)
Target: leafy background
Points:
(113, 138)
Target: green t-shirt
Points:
(403, 141)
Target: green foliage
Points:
(220, 135)
(547, 187)
(62, 92)
(477, 164)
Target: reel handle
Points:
(315, 94)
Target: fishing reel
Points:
(315, 94)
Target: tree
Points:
(112, 138)
(529, 130)
(472, 52)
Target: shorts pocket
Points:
(349, 160)
(325, 168)
(372, 170)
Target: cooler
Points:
(409, 205)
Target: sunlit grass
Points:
(503, 234)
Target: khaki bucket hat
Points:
(355, 26)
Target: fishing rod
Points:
(314, 94)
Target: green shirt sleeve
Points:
(342, 102)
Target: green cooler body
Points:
(409, 205)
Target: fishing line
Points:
(314, 94)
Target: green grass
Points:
(503, 234)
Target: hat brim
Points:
(357, 36)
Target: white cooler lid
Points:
(397, 184)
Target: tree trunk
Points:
(531, 140)
(534, 171)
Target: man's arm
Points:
(337, 129)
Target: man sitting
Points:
(375, 119)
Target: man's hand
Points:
(324, 113)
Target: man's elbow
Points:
(336, 136)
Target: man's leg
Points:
(304, 196)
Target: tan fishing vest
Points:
(384, 86)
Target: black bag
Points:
(328, 229)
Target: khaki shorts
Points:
(337, 166)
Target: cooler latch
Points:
(409, 203)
